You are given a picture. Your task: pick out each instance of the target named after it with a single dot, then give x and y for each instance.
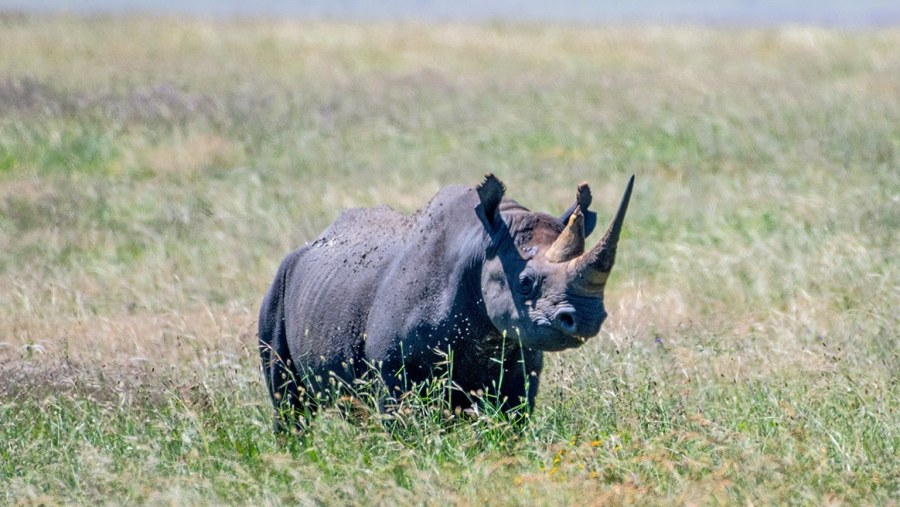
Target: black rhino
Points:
(473, 276)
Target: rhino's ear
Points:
(490, 192)
(583, 200)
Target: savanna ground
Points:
(153, 172)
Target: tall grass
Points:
(154, 171)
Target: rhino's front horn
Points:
(593, 267)
(570, 243)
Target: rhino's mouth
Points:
(550, 338)
(560, 344)
(576, 340)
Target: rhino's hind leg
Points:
(285, 390)
(290, 387)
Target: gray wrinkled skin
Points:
(398, 292)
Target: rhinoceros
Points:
(473, 286)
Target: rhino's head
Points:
(538, 282)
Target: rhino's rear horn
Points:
(570, 243)
(583, 200)
(490, 193)
(599, 261)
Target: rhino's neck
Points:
(450, 220)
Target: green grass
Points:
(153, 173)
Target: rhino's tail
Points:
(277, 366)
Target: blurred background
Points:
(734, 12)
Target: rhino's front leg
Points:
(520, 382)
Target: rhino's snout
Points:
(567, 321)
(564, 320)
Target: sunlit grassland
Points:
(153, 172)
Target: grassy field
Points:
(153, 172)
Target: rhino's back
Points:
(331, 284)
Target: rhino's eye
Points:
(526, 283)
